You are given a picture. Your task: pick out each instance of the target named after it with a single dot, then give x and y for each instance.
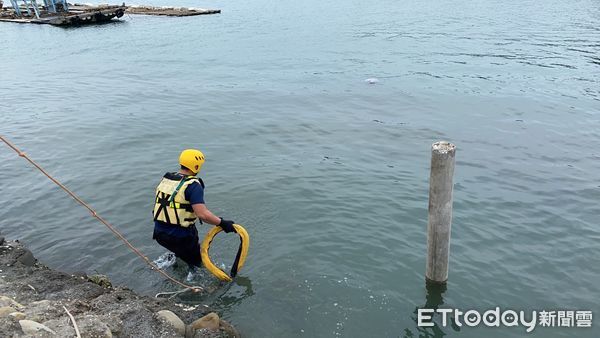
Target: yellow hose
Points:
(240, 257)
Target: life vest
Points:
(170, 205)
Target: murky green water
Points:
(328, 173)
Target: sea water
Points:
(316, 119)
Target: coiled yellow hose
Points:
(240, 258)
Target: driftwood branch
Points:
(73, 321)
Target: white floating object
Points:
(372, 80)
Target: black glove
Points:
(227, 226)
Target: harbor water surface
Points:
(328, 172)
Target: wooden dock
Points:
(170, 11)
(74, 16)
(79, 14)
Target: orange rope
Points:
(94, 214)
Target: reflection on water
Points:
(433, 300)
(235, 293)
(222, 296)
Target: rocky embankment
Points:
(38, 301)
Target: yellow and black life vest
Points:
(170, 205)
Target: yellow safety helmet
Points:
(192, 159)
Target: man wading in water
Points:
(179, 202)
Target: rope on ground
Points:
(171, 294)
(95, 215)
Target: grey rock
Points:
(229, 329)
(17, 315)
(1, 240)
(206, 333)
(43, 310)
(114, 323)
(6, 301)
(89, 326)
(44, 304)
(210, 322)
(33, 328)
(6, 310)
(62, 326)
(173, 320)
(92, 326)
(9, 327)
(27, 258)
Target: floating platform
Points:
(74, 16)
(79, 14)
(170, 11)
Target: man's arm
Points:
(205, 215)
(195, 194)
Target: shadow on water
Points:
(235, 293)
(114, 22)
(433, 300)
(222, 295)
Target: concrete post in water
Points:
(440, 211)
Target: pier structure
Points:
(62, 13)
(50, 6)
